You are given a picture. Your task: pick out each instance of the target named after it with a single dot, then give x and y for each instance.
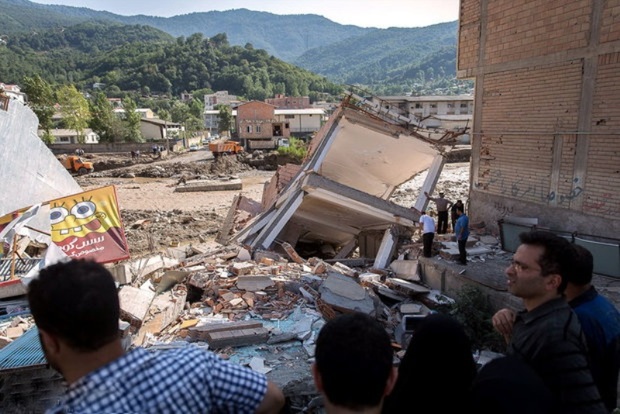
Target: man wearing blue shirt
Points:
(461, 231)
(76, 308)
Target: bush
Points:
(297, 150)
(473, 310)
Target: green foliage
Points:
(473, 310)
(297, 150)
(132, 122)
(74, 108)
(41, 100)
(224, 118)
(102, 118)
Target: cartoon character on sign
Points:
(88, 227)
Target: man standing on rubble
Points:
(443, 206)
(76, 308)
(353, 369)
(428, 233)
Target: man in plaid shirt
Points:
(76, 308)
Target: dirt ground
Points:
(156, 217)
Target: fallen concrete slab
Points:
(210, 185)
(345, 294)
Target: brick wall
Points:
(522, 29)
(546, 131)
(255, 114)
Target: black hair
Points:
(557, 256)
(438, 363)
(78, 302)
(354, 360)
(581, 272)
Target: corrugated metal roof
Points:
(22, 267)
(23, 352)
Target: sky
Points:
(363, 13)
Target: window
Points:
(65, 139)
(289, 116)
(463, 105)
(258, 129)
(433, 105)
(418, 106)
(286, 126)
(248, 129)
(450, 105)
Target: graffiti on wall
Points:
(520, 189)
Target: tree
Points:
(74, 109)
(224, 118)
(102, 118)
(41, 101)
(132, 121)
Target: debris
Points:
(345, 294)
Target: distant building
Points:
(289, 102)
(13, 92)
(301, 121)
(446, 112)
(145, 113)
(70, 136)
(186, 97)
(154, 129)
(220, 98)
(257, 126)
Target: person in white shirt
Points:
(428, 233)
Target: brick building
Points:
(546, 127)
(289, 102)
(257, 127)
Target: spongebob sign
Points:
(88, 225)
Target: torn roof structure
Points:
(355, 162)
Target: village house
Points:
(257, 126)
(71, 136)
(155, 129)
(13, 92)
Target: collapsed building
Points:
(337, 201)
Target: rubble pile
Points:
(151, 230)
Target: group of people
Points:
(460, 225)
(562, 356)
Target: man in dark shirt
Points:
(547, 334)
(600, 321)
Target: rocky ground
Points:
(156, 217)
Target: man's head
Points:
(459, 210)
(539, 266)
(76, 303)
(353, 366)
(441, 194)
(580, 273)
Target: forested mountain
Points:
(143, 59)
(284, 36)
(384, 61)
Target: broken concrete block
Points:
(410, 308)
(254, 283)
(344, 269)
(369, 277)
(258, 365)
(343, 293)
(210, 185)
(406, 287)
(267, 261)
(164, 310)
(406, 269)
(219, 335)
(242, 268)
(244, 255)
(236, 302)
(135, 304)
(319, 268)
(227, 296)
